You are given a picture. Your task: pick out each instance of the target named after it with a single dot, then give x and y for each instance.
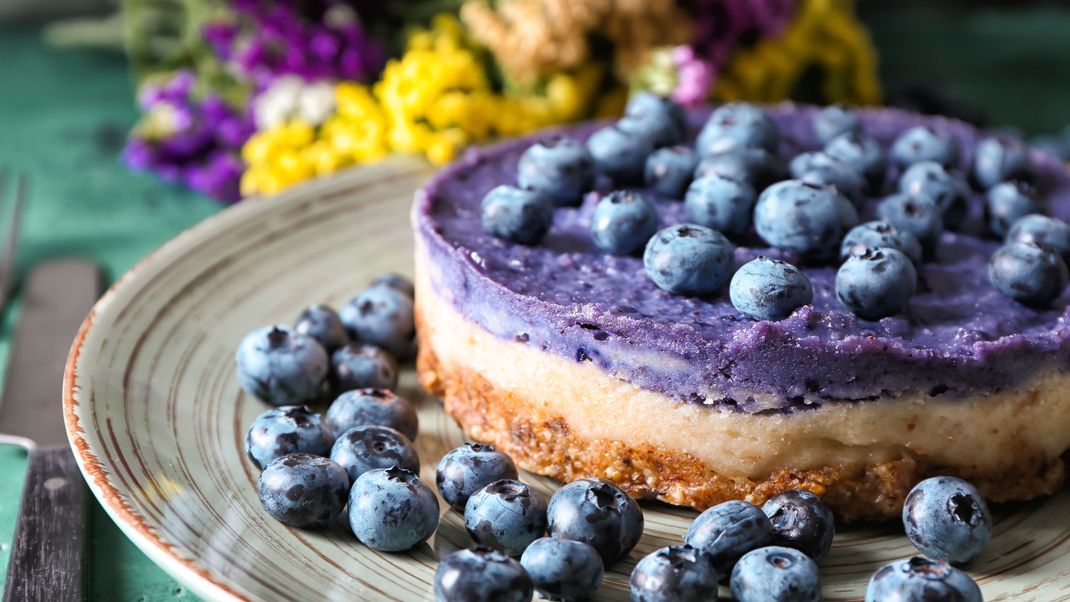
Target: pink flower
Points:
(694, 78)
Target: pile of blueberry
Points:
(764, 554)
(736, 189)
(360, 452)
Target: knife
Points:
(48, 556)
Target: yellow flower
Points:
(296, 133)
(260, 182)
(258, 148)
(444, 146)
(322, 158)
(824, 34)
(354, 100)
(291, 167)
(420, 40)
(250, 183)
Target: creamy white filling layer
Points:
(991, 432)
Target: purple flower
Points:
(217, 176)
(723, 25)
(139, 154)
(313, 40)
(190, 140)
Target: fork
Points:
(48, 554)
(11, 236)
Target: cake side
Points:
(570, 420)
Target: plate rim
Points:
(107, 494)
(133, 526)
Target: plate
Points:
(156, 417)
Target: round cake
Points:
(577, 364)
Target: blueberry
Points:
(365, 448)
(481, 575)
(755, 166)
(861, 153)
(382, 316)
(1056, 146)
(688, 259)
(843, 179)
(562, 569)
(921, 580)
(391, 509)
(622, 222)
(801, 521)
(397, 282)
(619, 154)
(660, 129)
(805, 218)
(280, 367)
(517, 215)
(769, 289)
(669, 170)
(737, 125)
(917, 215)
(727, 531)
(925, 143)
(804, 162)
(323, 324)
(721, 203)
(1048, 232)
(598, 513)
(947, 519)
(948, 191)
(643, 104)
(877, 283)
(776, 573)
(506, 515)
(834, 121)
(848, 219)
(673, 574)
(367, 407)
(286, 430)
(879, 233)
(469, 468)
(303, 490)
(1000, 159)
(1008, 202)
(1027, 273)
(558, 168)
(358, 366)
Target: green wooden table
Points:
(63, 118)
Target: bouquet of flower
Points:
(248, 97)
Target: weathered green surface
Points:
(63, 117)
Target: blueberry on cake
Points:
(730, 303)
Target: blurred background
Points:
(134, 120)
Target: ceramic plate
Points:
(157, 419)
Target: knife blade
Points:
(48, 556)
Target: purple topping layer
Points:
(959, 335)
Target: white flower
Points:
(316, 102)
(339, 15)
(278, 103)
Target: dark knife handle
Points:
(48, 557)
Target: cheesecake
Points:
(576, 364)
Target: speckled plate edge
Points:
(128, 520)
